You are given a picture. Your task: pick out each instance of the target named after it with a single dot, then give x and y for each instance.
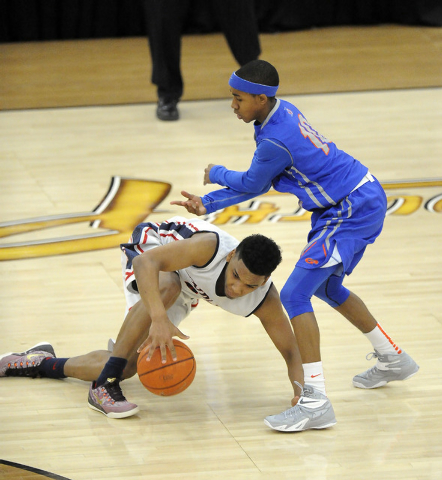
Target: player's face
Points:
(247, 107)
(239, 280)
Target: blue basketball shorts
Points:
(336, 244)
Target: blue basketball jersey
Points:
(319, 174)
(293, 157)
(348, 203)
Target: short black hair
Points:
(259, 71)
(260, 254)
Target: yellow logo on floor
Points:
(130, 201)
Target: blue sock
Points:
(113, 369)
(52, 367)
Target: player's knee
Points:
(295, 303)
(332, 292)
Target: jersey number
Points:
(318, 140)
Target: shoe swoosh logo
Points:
(30, 355)
(319, 403)
(306, 402)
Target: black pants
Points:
(165, 20)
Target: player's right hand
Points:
(193, 204)
(160, 335)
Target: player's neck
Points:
(264, 113)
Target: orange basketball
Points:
(168, 378)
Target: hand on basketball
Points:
(193, 204)
(160, 335)
(207, 173)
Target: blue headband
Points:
(250, 87)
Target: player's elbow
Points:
(141, 262)
(136, 262)
(253, 186)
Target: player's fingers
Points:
(186, 205)
(150, 353)
(163, 353)
(182, 335)
(172, 351)
(142, 346)
(186, 194)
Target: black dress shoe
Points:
(167, 109)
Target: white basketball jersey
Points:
(197, 282)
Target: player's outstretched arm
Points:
(278, 327)
(193, 204)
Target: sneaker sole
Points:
(115, 414)
(384, 382)
(299, 428)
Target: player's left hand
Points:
(295, 401)
(193, 204)
(207, 173)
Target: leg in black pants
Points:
(238, 22)
(165, 23)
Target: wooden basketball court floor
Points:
(57, 163)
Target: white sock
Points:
(314, 376)
(381, 342)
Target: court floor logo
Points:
(127, 203)
(130, 201)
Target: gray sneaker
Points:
(389, 367)
(25, 364)
(313, 410)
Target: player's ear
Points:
(262, 98)
(230, 255)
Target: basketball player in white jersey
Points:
(167, 269)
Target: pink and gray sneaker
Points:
(25, 364)
(109, 400)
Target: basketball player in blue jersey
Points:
(348, 208)
(167, 269)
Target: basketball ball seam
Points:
(175, 384)
(166, 365)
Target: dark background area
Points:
(41, 20)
